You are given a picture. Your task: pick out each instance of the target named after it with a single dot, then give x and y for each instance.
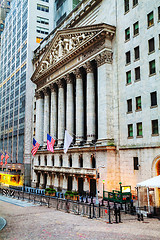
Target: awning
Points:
(152, 182)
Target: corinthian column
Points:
(91, 120)
(70, 105)
(61, 112)
(105, 101)
(54, 114)
(39, 117)
(46, 115)
(79, 107)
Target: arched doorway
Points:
(156, 172)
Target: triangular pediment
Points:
(66, 44)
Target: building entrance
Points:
(69, 188)
(80, 185)
(93, 187)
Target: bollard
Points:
(93, 211)
(48, 201)
(41, 201)
(142, 217)
(138, 217)
(82, 199)
(57, 203)
(109, 212)
(91, 199)
(99, 210)
(90, 210)
(125, 208)
(86, 199)
(77, 199)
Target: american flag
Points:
(50, 143)
(6, 157)
(2, 156)
(35, 147)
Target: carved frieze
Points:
(104, 57)
(38, 95)
(77, 73)
(88, 67)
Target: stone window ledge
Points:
(150, 75)
(155, 106)
(139, 136)
(155, 135)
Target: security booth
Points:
(122, 196)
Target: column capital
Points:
(45, 91)
(104, 57)
(88, 67)
(68, 78)
(60, 83)
(52, 86)
(38, 95)
(77, 73)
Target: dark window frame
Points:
(130, 130)
(153, 96)
(129, 105)
(155, 129)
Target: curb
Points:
(2, 223)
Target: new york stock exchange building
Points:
(79, 74)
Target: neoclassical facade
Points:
(72, 94)
(97, 75)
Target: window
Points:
(152, 67)
(128, 57)
(52, 160)
(38, 39)
(39, 160)
(135, 2)
(75, 3)
(42, 30)
(155, 126)
(136, 28)
(150, 19)
(70, 161)
(139, 129)
(127, 34)
(135, 163)
(153, 98)
(136, 53)
(126, 6)
(45, 1)
(151, 45)
(42, 8)
(158, 13)
(129, 105)
(128, 77)
(93, 161)
(137, 73)
(43, 20)
(138, 103)
(130, 130)
(80, 161)
(61, 161)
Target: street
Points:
(39, 222)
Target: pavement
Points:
(40, 222)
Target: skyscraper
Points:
(27, 23)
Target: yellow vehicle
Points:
(11, 179)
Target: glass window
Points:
(126, 6)
(136, 53)
(42, 30)
(137, 73)
(42, 8)
(135, 2)
(158, 13)
(152, 67)
(38, 39)
(43, 20)
(139, 129)
(128, 57)
(138, 103)
(151, 45)
(127, 34)
(129, 105)
(155, 126)
(128, 77)
(150, 19)
(136, 28)
(153, 98)
(130, 130)
(135, 163)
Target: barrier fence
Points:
(110, 213)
